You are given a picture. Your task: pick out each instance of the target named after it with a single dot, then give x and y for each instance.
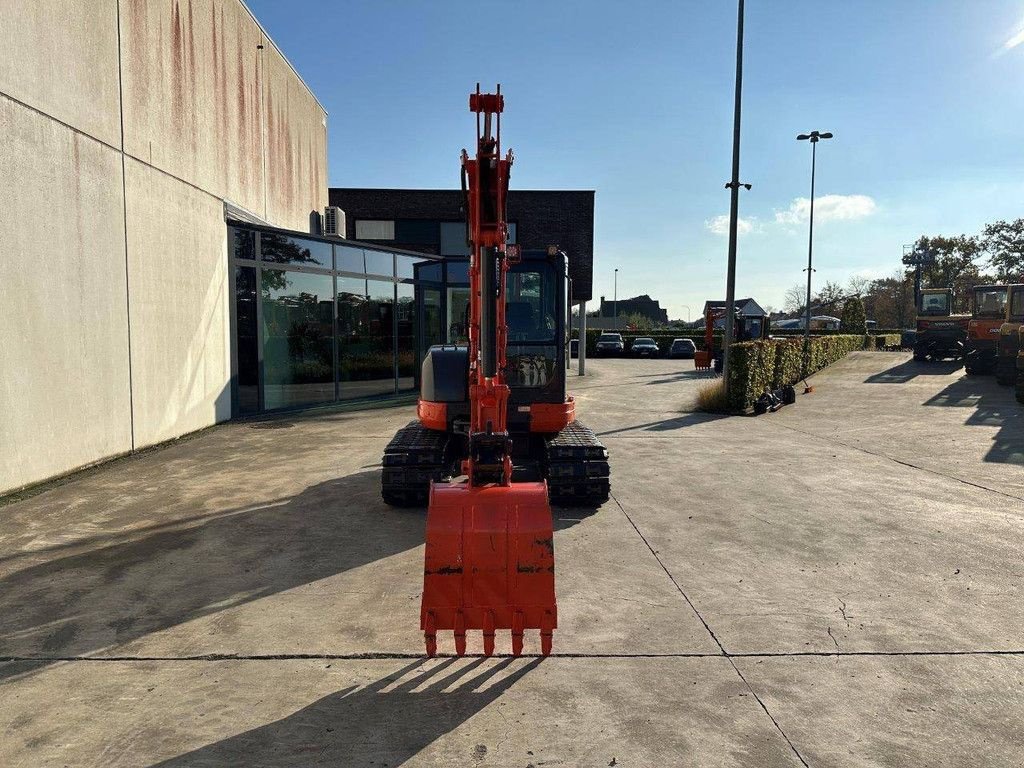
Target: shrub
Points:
(854, 320)
(757, 366)
(711, 397)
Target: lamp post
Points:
(687, 308)
(814, 137)
(615, 300)
(734, 200)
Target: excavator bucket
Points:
(489, 564)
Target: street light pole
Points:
(615, 300)
(734, 202)
(813, 137)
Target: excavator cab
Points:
(988, 314)
(940, 333)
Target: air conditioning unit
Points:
(334, 221)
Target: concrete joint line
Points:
(714, 637)
(901, 462)
(396, 656)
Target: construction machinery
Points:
(940, 333)
(1009, 336)
(988, 313)
(745, 329)
(496, 440)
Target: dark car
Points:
(684, 348)
(645, 347)
(610, 344)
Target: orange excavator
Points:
(489, 562)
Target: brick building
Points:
(432, 221)
(639, 305)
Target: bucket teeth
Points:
(546, 636)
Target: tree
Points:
(956, 266)
(1003, 241)
(858, 285)
(853, 320)
(793, 300)
(830, 298)
(636, 322)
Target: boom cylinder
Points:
(488, 314)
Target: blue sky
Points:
(634, 100)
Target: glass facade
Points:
(317, 321)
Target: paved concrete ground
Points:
(835, 584)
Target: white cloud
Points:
(720, 225)
(827, 208)
(1016, 39)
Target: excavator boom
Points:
(489, 561)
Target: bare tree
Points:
(793, 300)
(858, 285)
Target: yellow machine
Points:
(1009, 337)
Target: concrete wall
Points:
(114, 327)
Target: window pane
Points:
(458, 306)
(530, 306)
(283, 249)
(365, 338)
(244, 244)
(297, 337)
(408, 354)
(368, 229)
(458, 272)
(433, 327)
(380, 263)
(429, 271)
(246, 340)
(349, 259)
(511, 232)
(453, 238)
(405, 265)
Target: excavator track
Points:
(414, 457)
(576, 467)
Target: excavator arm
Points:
(489, 561)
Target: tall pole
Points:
(615, 300)
(810, 246)
(734, 202)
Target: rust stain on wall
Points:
(177, 71)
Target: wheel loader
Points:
(988, 313)
(1009, 336)
(496, 440)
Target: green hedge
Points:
(884, 340)
(664, 338)
(757, 366)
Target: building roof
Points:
(746, 307)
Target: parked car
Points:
(684, 348)
(610, 344)
(644, 347)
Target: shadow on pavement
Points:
(911, 369)
(666, 425)
(684, 376)
(116, 588)
(384, 723)
(991, 406)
